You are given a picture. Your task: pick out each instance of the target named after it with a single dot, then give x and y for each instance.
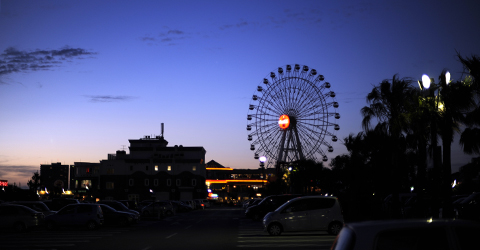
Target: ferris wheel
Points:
(292, 116)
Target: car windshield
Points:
(118, 206)
(265, 201)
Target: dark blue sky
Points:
(86, 76)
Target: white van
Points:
(307, 213)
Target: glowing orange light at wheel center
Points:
(284, 121)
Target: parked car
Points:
(251, 202)
(205, 202)
(19, 218)
(35, 205)
(114, 217)
(390, 206)
(181, 206)
(119, 206)
(157, 209)
(199, 204)
(58, 203)
(469, 208)
(82, 214)
(131, 204)
(191, 203)
(307, 213)
(268, 204)
(408, 234)
(142, 204)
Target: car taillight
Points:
(202, 205)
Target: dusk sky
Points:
(80, 78)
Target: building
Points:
(55, 178)
(86, 183)
(228, 184)
(151, 170)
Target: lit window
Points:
(86, 183)
(194, 168)
(169, 182)
(169, 168)
(156, 167)
(89, 170)
(130, 182)
(147, 182)
(110, 185)
(178, 182)
(155, 182)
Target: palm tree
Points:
(457, 99)
(389, 103)
(419, 117)
(470, 138)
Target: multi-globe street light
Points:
(433, 92)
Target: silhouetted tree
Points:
(457, 98)
(470, 138)
(34, 182)
(389, 106)
(304, 176)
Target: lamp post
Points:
(262, 160)
(442, 170)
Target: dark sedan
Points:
(114, 217)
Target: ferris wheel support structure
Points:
(290, 135)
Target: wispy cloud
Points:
(167, 37)
(14, 61)
(108, 98)
(17, 173)
(237, 25)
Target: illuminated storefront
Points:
(232, 185)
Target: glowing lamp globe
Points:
(284, 121)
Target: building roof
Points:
(214, 164)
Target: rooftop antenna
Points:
(162, 131)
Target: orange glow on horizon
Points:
(219, 168)
(233, 181)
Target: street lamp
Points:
(435, 95)
(426, 81)
(429, 87)
(262, 160)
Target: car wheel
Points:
(334, 228)
(19, 227)
(274, 229)
(91, 225)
